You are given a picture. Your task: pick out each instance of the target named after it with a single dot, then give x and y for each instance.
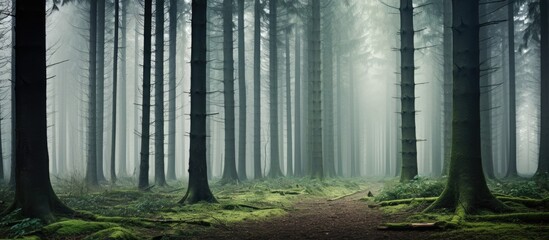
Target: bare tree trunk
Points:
(289, 152)
(198, 189)
(100, 87)
(448, 65)
(91, 169)
(172, 89)
(315, 96)
(114, 91)
(257, 89)
(275, 170)
(512, 167)
(328, 97)
(122, 161)
(543, 164)
(159, 171)
(242, 94)
(298, 137)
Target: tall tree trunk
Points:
(198, 189)
(242, 94)
(209, 68)
(122, 170)
(289, 153)
(159, 171)
(146, 119)
(485, 97)
(339, 115)
(408, 96)
(297, 107)
(136, 117)
(12, 103)
(33, 192)
(328, 98)
(466, 191)
(114, 90)
(315, 97)
(543, 163)
(172, 89)
(355, 172)
(229, 170)
(512, 170)
(257, 89)
(275, 171)
(448, 83)
(100, 87)
(91, 168)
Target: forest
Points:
(274, 119)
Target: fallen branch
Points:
(346, 195)
(406, 201)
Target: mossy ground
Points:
(122, 212)
(528, 200)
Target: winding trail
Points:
(344, 218)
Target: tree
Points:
(298, 138)
(466, 190)
(159, 175)
(543, 164)
(33, 191)
(198, 189)
(315, 96)
(145, 121)
(512, 170)
(100, 98)
(114, 89)
(275, 171)
(242, 94)
(122, 171)
(171, 88)
(328, 93)
(229, 170)
(91, 168)
(447, 65)
(289, 153)
(257, 88)
(407, 88)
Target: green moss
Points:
(395, 208)
(76, 227)
(115, 233)
(485, 230)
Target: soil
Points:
(345, 218)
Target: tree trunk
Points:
(12, 103)
(33, 192)
(198, 189)
(172, 89)
(466, 191)
(355, 172)
(485, 98)
(146, 118)
(512, 167)
(100, 87)
(315, 97)
(91, 168)
(289, 153)
(122, 170)
(257, 89)
(159, 171)
(339, 80)
(114, 91)
(242, 94)
(297, 163)
(328, 95)
(448, 83)
(543, 163)
(229, 170)
(407, 88)
(275, 171)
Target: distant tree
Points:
(242, 94)
(33, 191)
(275, 170)
(114, 90)
(173, 11)
(122, 170)
(100, 94)
(198, 189)
(146, 106)
(466, 190)
(328, 90)
(159, 171)
(297, 107)
(289, 153)
(229, 169)
(407, 96)
(315, 95)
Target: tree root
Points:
(528, 202)
(533, 217)
(406, 201)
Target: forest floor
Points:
(285, 208)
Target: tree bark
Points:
(512, 164)
(172, 88)
(257, 89)
(33, 192)
(298, 137)
(407, 88)
(485, 98)
(198, 189)
(543, 163)
(315, 97)
(122, 161)
(146, 118)
(242, 94)
(159, 171)
(114, 90)
(275, 170)
(289, 153)
(91, 168)
(100, 87)
(229, 170)
(328, 95)
(448, 83)
(466, 191)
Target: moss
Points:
(395, 208)
(534, 217)
(76, 227)
(485, 230)
(115, 233)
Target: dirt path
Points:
(345, 218)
